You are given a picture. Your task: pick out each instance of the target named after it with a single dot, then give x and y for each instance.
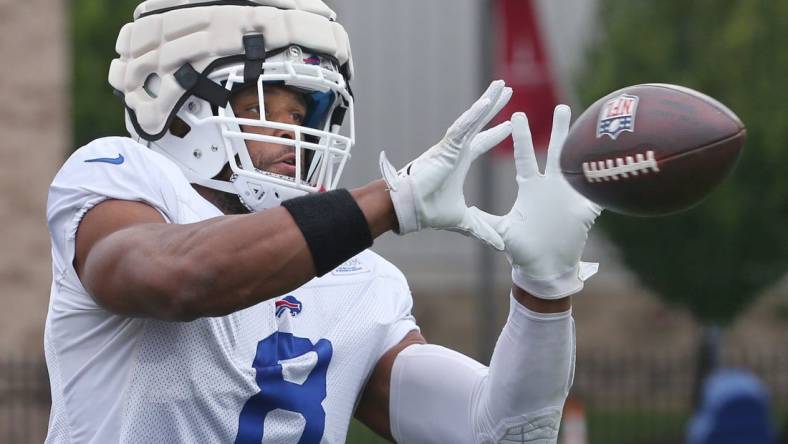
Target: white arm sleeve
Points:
(439, 396)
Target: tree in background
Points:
(716, 258)
(94, 28)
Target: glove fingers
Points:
(486, 140)
(500, 103)
(474, 223)
(561, 118)
(524, 156)
(476, 117)
(464, 126)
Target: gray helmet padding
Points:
(161, 43)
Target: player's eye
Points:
(298, 118)
(255, 109)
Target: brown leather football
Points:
(652, 149)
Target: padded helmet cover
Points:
(168, 34)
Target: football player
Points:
(211, 282)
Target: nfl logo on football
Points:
(617, 115)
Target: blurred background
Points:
(677, 298)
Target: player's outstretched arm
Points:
(437, 395)
(135, 264)
(422, 393)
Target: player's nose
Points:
(288, 119)
(285, 134)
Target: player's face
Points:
(282, 105)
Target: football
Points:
(652, 149)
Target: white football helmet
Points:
(180, 60)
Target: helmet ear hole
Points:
(179, 128)
(152, 85)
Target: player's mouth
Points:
(285, 166)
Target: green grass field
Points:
(607, 427)
(612, 427)
(360, 434)
(635, 427)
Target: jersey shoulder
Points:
(384, 282)
(115, 168)
(128, 156)
(384, 269)
(109, 168)
(376, 288)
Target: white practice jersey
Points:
(286, 370)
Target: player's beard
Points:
(269, 159)
(229, 203)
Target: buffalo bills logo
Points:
(288, 303)
(617, 115)
(312, 60)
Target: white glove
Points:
(546, 230)
(428, 192)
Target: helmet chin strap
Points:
(254, 195)
(258, 195)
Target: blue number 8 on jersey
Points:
(302, 395)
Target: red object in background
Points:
(521, 60)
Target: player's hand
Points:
(428, 192)
(546, 230)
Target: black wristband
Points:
(333, 225)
